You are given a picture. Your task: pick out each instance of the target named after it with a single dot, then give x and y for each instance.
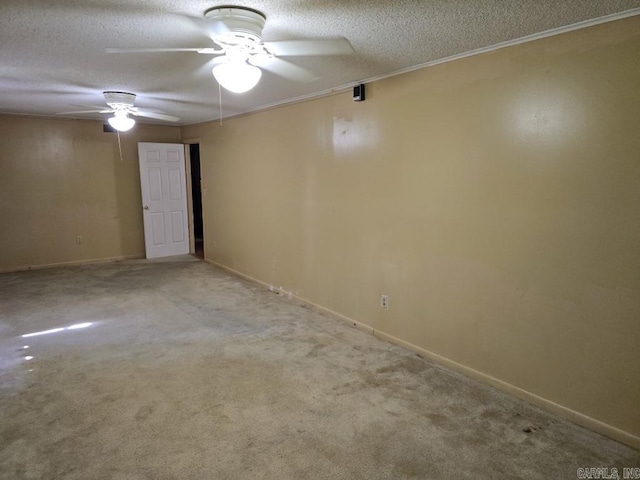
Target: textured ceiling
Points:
(53, 59)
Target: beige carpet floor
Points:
(187, 372)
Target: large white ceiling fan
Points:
(237, 36)
(121, 105)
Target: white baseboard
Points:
(70, 263)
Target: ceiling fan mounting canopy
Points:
(236, 25)
(119, 100)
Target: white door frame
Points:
(187, 155)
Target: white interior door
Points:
(164, 199)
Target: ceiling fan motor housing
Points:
(243, 24)
(119, 100)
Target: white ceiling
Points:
(53, 59)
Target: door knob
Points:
(146, 207)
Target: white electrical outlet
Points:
(79, 239)
(384, 301)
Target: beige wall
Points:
(63, 178)
(495, 199)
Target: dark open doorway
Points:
(196, 199)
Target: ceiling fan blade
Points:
(211, 51)
(334, 46)
(86, 111)
(95, 107)
(157, 116)
(152, 50)
(284, 68)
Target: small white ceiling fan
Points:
(121, 105)
(237, 36)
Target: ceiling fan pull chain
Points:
(220, 101)
(119, 145)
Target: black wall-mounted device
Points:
(358, 93)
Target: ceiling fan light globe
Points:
(122, 123)
(237, 77)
